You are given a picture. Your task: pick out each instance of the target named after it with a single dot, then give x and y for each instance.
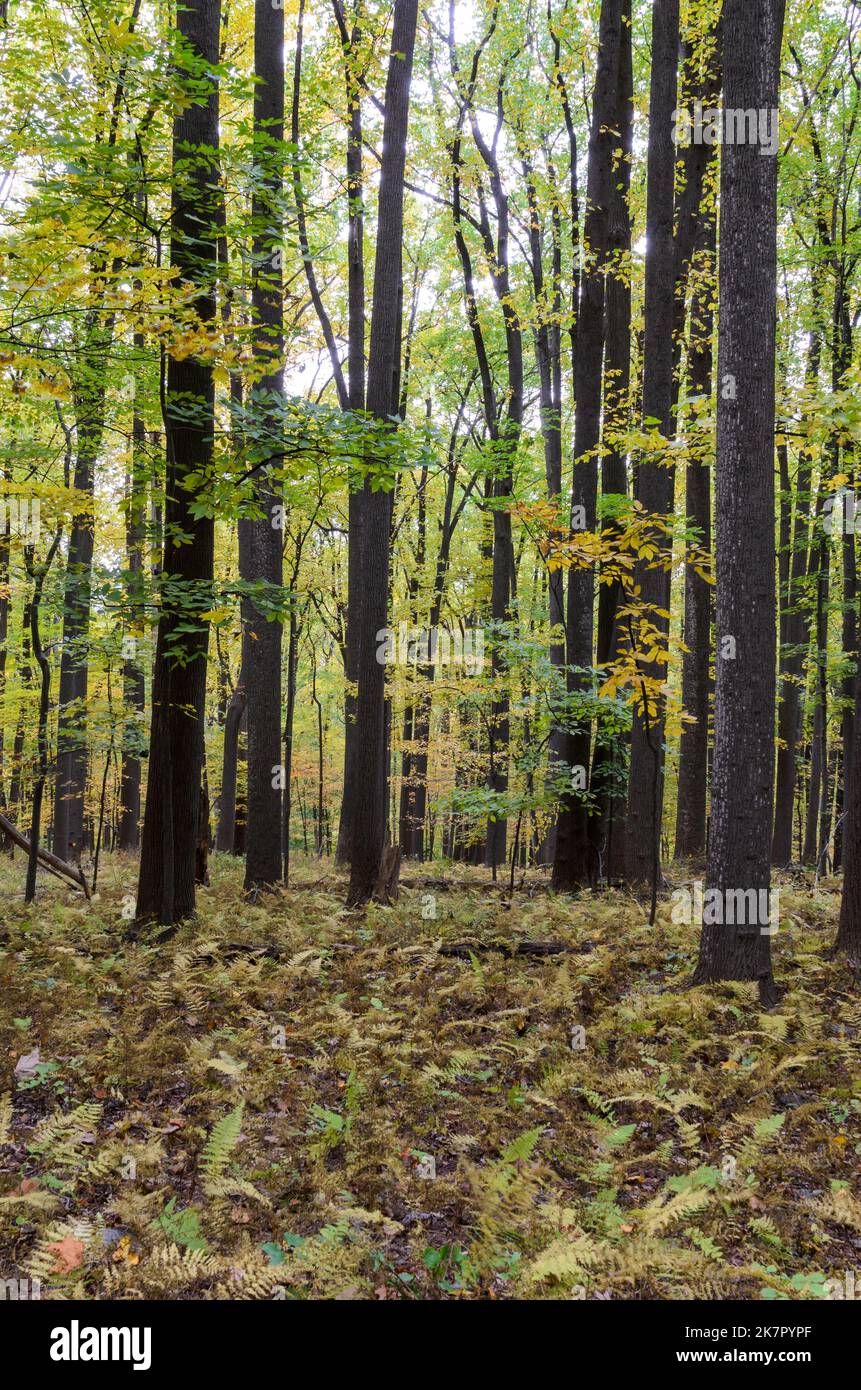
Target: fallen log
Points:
(58, 867)
(509, 949)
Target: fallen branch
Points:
(58, 867)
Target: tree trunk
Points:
(71, 774)
(742, 776)
(849, 932)
(37, 574)
(690, 840)
(573, 865)
(230, 758)
(696, 682)
(356, 402)
(262, 658)
(134, 692)
(166, 886)
(607, 825)
(794, 635)
(654, 479)
(371, 768)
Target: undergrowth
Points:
(288, 1100)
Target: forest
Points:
(430, 724)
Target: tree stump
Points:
(386, 888)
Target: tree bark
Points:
(742, 776)
(262, 659)
(690, 839)
(574, 865)
(849, 931)
(384, 353)
(166, 886)
(607, 824)
(134, 692)
(655, 479)
(224, 835)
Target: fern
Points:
(705, 1244)
(522, 1147)
(660, 1216)
(765, 1228)
(564, 1261)
(221, 1143)
(62, 1138)
(181, 1227)
(234, 1187)
(6, 1118)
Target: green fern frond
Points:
(221, 1143)
(6, 1117)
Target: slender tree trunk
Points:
(794, 636)
(292, 664)
(262, 659)
(356, 402)
(5, 534)
(696, 682)
(654, 479)
(607, 825)
(71, 728)
(573, 865)
(224, 835)
(819, 698)
(690, 839)
(849, 932)
(37, 574)
(134, 693)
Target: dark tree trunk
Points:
(607, 825)
(849, 932)
(371, 768)
(168, 850)
(548, 356)
(38, 574)
(356, 401)
(292, 663)
(819, 697)
(16, 780)
(224, 835)
(696, 682)
(850, 653)
(690, 841)
(742, 777)
(201, 861)
(795, 631)
(262, 654)
(573, 865)
(409, 825)
(71, 774)
(4, 641)
(654, 480)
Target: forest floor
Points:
(290, 1100)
